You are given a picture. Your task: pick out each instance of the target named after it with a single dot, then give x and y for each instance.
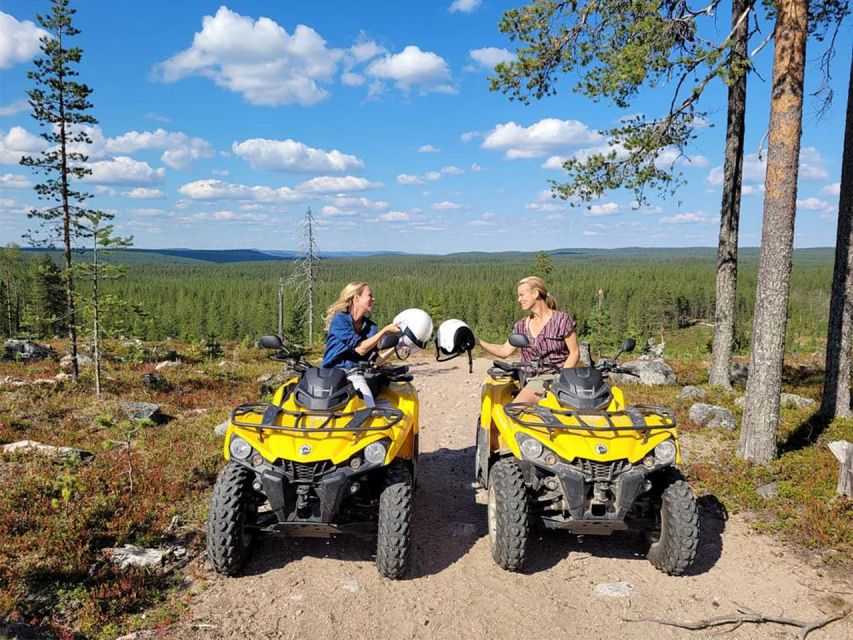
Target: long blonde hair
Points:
(344, 301)
(537, 284)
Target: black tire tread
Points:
(676, 547)
(225, 545)
(393, 544)
(512, 512)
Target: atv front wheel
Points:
(509, 524)
(393, 545)
(673, 543)
(229, 540)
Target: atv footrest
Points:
(321, 529)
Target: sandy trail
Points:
(330, 588)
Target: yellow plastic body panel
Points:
(336, 446)
(575, 441)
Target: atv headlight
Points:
(665, 452)
(530, 447)
(375, 453)
(239, 448)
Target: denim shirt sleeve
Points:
(343, 339)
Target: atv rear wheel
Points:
(393, 544)
(232, 508)
(674, 542)
(509, 523)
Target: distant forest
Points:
(637, 292)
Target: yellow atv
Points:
(316, 461)
(583, 461)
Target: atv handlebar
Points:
(609, 366)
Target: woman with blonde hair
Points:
(352, 335)
(551, 334)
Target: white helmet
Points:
(415, 331)
(452, 338)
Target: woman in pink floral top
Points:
(551, 334)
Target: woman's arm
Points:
(504, 350)
(367, 345)
(574, 350)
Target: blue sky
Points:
(219, 124)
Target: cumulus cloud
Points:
(395, 216)
(540, 138)
(14, 107)
(180, 150)
(429, 176)
(342, 204)
(256, 58)
(464, 6)
(19, 41)
(124, 170)
(14, 181)
(224, 216)
(606, 209)
(489, 57)
(428, 148)
(335, 184)
(219, 190)
(17, 143)
(811, 168)
(812, 204)
(405, 178)
(470, 135)
(446, 205)
(670, 157)
(144, 193)
(683, 218)
(413, 68)
(833, 189)
(291, 156)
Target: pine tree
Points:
(47, 305)
(60, 104)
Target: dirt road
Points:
(330, 589)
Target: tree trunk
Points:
(839, 337)
(763, 388)
(726, 293)
(96, 330)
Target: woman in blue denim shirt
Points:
(352, 334)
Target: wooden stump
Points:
(843, 450)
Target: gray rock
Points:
(221, 428)
(649, 372)
(653, 350)
(792, 400)
(132, 556)
(46, 449)
(145, 634)
(769, 490)
(272, 383)
(156, 381)
(26, 350)
(738, 373)
(691, 393)
(82, 361)
(168, 364)
(143, 411)
(584, 355)
(712, 416)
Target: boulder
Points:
(143, 411)
(649, 372)
(82, 361)
(769, 490)
(738, 373)
(168, 364)
(584, 358)
(712, 416)
(156, 381)
(221, 428)
(132, 556)
(273, 382)
(793, 401)
(26, 350)
(653, 350)
(46, 449)
(690, 392)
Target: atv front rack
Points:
(270, 413)
(522, 412)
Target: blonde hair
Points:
(344, 301)
(537, 284)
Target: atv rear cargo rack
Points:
(271, 412)
(637, 413)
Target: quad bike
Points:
(316, 461)
(583, 461)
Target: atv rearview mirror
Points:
(518, 341)
(271, 342)
(387, 341)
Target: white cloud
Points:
(464, 6)
(352, 79)
(428, 148)
(589, 232)
(413, 68)
(219, 190)
(294, 157)
(405, 178)
(812, 204)
(335, 184)
(554, 162)
(180, 150)
(475, 168)
(683, 218)
(19, 142)
(256, 58)
(19, 41)
(811, 168)
(124, 170)
(452, 171)
(811, 165)
(144, 193)
(224, 216)
(429, 176)
(489, 57)
(470, 135)
(670, 157)
(833, 189)
(14, 107)
(345, 205)
(395, 216)
(14, 181)
(751, 189)
(549, 134)
(446, 205)
(149, 212)
(606, 209)
(544, 206)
